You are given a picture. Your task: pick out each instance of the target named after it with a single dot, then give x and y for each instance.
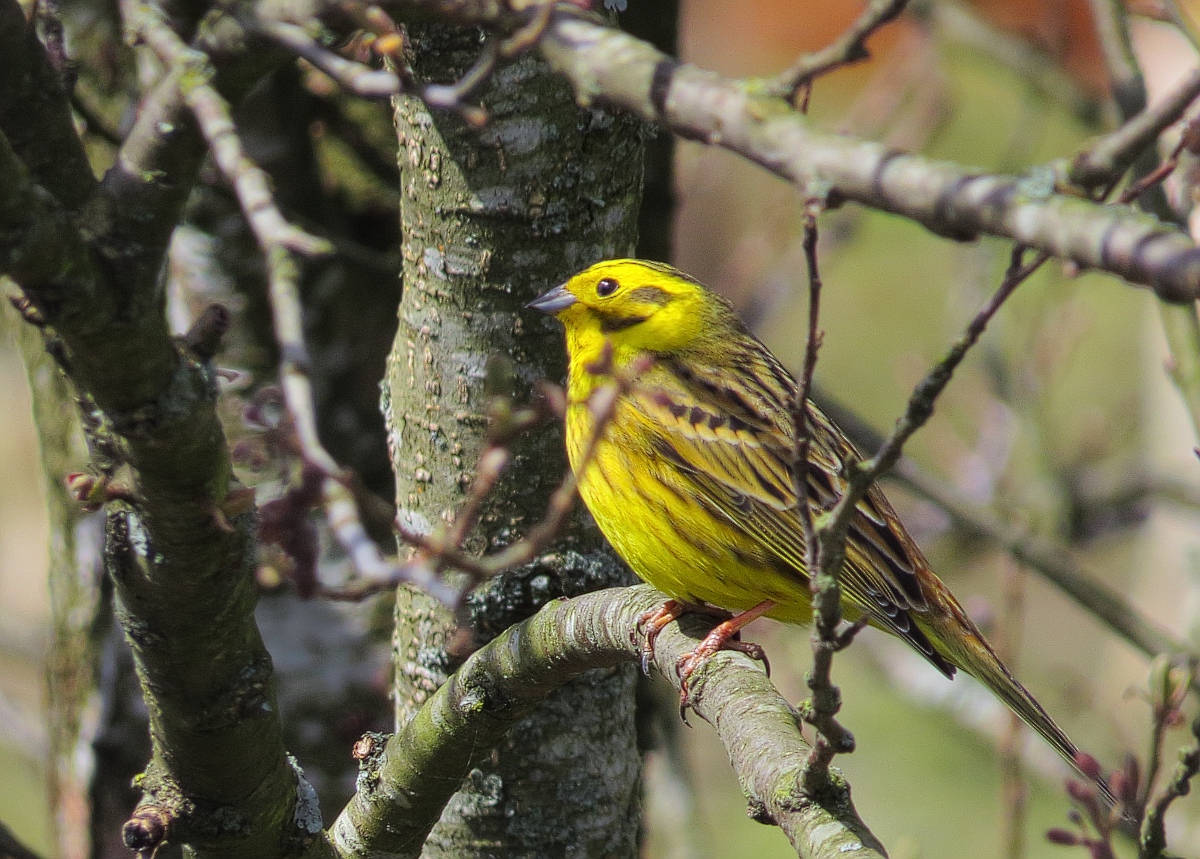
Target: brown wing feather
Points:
(735, 445)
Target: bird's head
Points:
(636, 305)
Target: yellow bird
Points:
(691, 480)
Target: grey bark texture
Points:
(490, 218)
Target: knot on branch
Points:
(205, 335)
(148, 829)
(369, 751)
(757, 811)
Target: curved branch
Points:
(850, 47)
(404, 784)
(946, 198)
(1109, 157)
(604, 64)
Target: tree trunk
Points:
(490, 218)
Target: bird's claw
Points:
(716, 640)
(651, 623)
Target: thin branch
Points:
(602, 403)
(408, 781)
(921, 402)
(1051, 560)
(850, 47)
(452, 95)
(1107, 159)
(371, 83)
(354, 77)
(377, 572)
(825, 552)
(1153, 839)
(1187, 140)
(821, 709)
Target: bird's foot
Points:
(652, 622)
(722, 637)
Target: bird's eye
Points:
(607, 286)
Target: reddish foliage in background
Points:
(762, 36)
(1061, 28)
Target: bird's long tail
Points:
(971, 652)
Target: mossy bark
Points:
(491, 218)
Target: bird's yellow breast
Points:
(666, 536)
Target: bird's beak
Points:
(552, 302)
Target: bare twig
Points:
(822, 708)
(1153, 840)
(920, 404)
(277, 238)
(354, 77)
(1107, 159)
(826, 549)
(850, 47)
(280, 241)
(378, 573)
(380, 83)
(1155, 176)
(439, 548)
(451, 96)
